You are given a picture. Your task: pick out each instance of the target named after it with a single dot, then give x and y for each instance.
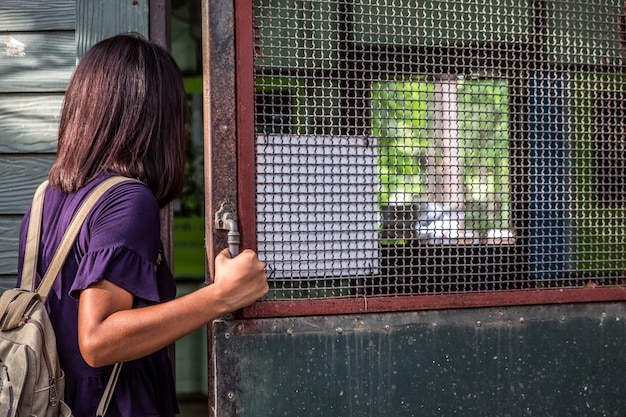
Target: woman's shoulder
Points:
(127, 215)
(125, 202)
(122, 199)
(127, 190)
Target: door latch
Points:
(226, 219)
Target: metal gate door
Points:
(394, 156)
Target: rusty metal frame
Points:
(220, 136)
(220, 118)
(363, 305)
(245, 47)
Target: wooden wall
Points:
(40, 42)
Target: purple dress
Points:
(119, 241)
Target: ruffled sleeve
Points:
(121, 243)
(122, 267)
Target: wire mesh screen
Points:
(439, 147)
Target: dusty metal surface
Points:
(219, 127)
(220, 117)
(554, 360)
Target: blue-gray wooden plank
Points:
(36, 62)
(9, 239)
(21, 174)
(29, 122)
(32, 15)
(7, 282)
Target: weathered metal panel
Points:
(41, 62)
(21, 174)
(556, 360)
(220, 118)
(97, 20)
(20, 15)
(29, 122)
(9, 240)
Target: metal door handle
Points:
(226, 219)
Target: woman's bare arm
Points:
(110, 331)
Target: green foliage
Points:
(404, 125)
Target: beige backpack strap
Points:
(103, 405)
(15, 304)
(70, 234)
(61, 254)
(31, 251)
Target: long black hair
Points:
(124, 112)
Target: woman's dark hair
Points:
(124, 112)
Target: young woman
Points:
(124, 114)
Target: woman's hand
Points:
(240, 280)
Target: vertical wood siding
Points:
(96, 20)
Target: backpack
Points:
(31, 380)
